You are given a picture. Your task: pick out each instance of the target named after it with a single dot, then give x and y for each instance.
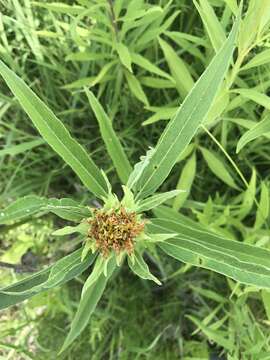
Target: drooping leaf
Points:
(62, 271)
(136, 88)
(110, 138)
(218, 168)
(56, 135)
(21, 148)
(256, 96)
(144, 63)
(262, 58)
(260, 129)
(140, 268)
(30, 205)
(22, 208)
(87, 305)
(184, 125)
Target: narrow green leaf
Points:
(185, 182)
(31, 205)
(156, 83)
(110, 138)
(82, 228)
(178, 68)
(87, 56)
(164, 113)
(156, 200)
(263, 58)
(232, 5)
(135, 88)
(218, 168)
(244, 263)
(260, 129)
(62, 271)
(255, 96)
(149, 66)
(21, 148)
(56, 135)
(22, 208)
(249, 197)
(124, 55)
(87, 306)
(184, 125)
(61, 7)
(140, 268)
(212, 25)
(263, 210)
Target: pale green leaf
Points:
(60, 7)
(164, 113)
(135, 88)
(244, 263)
(148, 65)
(110, 138)
(157, 199)
(178, 68)
(185, 182)
(263, 210)
(21, 148)
(62, 271)
(211, 23)
(31, 205)
(87, 305)
(140, 268)
(262, 58)
(187, 120)
(124, 55)
(218, 168)
(56, 135)
(255, 96)
(260, 129)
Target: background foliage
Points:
(58, 48)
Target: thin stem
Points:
(113, 18)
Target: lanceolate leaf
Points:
(30, 205)
(184, 125)
(22, 208)
(140, 268)
(244, 263)
(218, 168)
(260, 129)
(57, 274)
(156, 200)
(111, 140)
(56, 135)
(87, 305)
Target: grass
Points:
(196, 314)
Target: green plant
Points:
(126, 231)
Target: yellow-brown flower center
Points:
(115, 230)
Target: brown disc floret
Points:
(114, 230)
